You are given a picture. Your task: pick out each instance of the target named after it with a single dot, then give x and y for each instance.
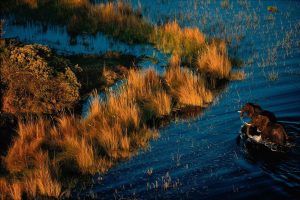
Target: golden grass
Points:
(43, 182)
(115, 128)
(74, 3)
(158, 105)
(25, 153)
(186, 88)
(147, 89)
(214, 60)
(121, 21)
(123, 110)
(170, 38)
(39, 182)
(15, 190)
(237, 75)
(175, 60)
(4, 189)
(188, 45)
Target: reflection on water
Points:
(58, 38)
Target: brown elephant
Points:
(252, 110)
(269, 131)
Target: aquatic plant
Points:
(214, 60)
(272, 9)
(187, 88)
(237, 75)
(147, 89)
(225, 4)
(120, 21)
(115, 128)
(186, 42)
(116, 19)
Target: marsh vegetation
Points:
(54, 146)
(49, 151)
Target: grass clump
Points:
(146, 87)
(189, 46)
(272, 9)
(225, 4)
(272, 76)
(187, 88)
(116, 19)
(214, 60)
(237, 75)
(186, 42)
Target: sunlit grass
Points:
(237, 75)
(122, 22)
(171, 38)
(114, 129)
(117, 125)
(116, 19)
(214, 60)
(186, 88)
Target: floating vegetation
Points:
(272, 76)
(272, 9)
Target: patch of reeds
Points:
(189, 45)
(272, 9)
(121, 21)
(225, 4)
(214, 60)
(237, 75)
(147, 89)
(186, 42)
(46, 153)
(116, 19)
(187, 88)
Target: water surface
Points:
(202, 158)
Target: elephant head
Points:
(250, 109)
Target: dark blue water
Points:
(203, 158)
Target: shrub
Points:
(37, 81)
